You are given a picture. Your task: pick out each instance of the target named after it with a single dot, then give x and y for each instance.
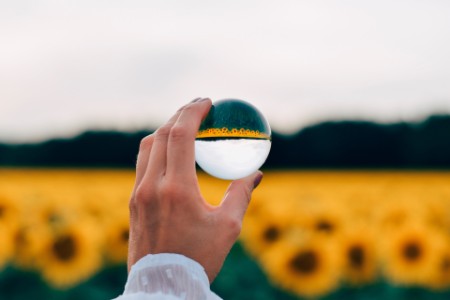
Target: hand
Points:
(167, 212)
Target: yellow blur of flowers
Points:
(311, 231)
(315, 231)
(64, 224)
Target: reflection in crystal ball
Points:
(233, 141)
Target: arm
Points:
(169, 215)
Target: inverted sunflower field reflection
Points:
(311, 233)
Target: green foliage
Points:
(240, 278)
(24, 285)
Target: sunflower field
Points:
(306, 235)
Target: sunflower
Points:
(29, 243)
(325, 218)
(116, 238)
(50, 210)
(7, 246)
(393, 214)
(96, 206)
(70, 256)
(359, 255)
(9, 211)
(9, 224)
(441, 278)
(310, 268)
(264, 227)
(409, 255)
(437, 213)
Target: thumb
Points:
(238, 194)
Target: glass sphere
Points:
(233, 141)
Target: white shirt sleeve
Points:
(167, 276)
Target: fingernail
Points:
(196, 99)
(203, 100)
(257, 181)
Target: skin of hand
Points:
(167, 211)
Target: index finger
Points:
(181, 145)
(143, 164)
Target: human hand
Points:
(167, 211)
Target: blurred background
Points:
(355, 203)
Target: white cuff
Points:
(169, 274)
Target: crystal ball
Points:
(233, 140)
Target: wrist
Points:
(167, 259)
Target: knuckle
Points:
(145, 200)
(143, 194)
(170, 190)
(234, 226)
(132, 205)
(146, 142)
(178, 133)
(163, 132)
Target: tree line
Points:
(337, 144)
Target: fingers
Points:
(156, 166)
(144, 153)
(237, 196)
(181, 144)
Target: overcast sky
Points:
(66, 66)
